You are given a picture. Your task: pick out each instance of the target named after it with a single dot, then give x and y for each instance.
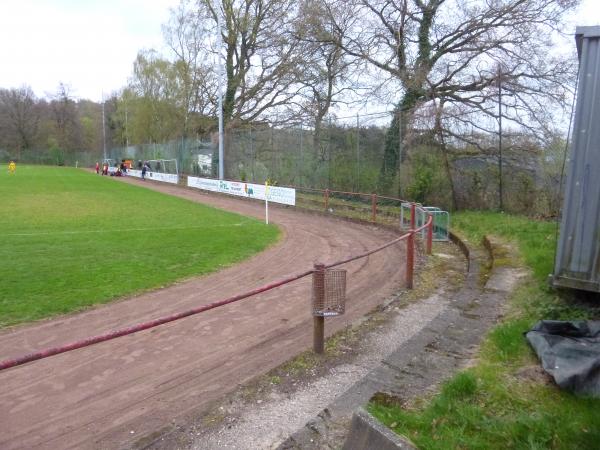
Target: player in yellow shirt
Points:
(12, 167)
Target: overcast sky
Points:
(90, 45)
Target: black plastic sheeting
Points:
(570, 353)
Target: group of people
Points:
(104, 168)
(120, 169)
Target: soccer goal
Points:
(163, 166)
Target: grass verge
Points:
(504, 401)
(73, 239)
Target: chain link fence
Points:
(348, 154)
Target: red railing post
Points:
(410, 249)
(410, 259)
(374, 208)
(326, 197)
(430, 234)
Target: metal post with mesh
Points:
(328, 300)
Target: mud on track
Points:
(112, 394)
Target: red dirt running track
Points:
(112, 394)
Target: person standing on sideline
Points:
(144, 169)
(105, 168)
(97, 168)
(12, 166)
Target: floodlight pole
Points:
(500, 137)
(126, 132)
(220, 62)
(103, 129)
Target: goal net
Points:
(163, 166)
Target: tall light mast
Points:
(220, 62)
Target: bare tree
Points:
(325, 73)
(19, 118)
(65, 116)
(449, 50)
(259, 55)
(186, 37)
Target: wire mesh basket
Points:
(329, 293)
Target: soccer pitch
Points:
(74, 239)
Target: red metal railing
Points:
(373, 198)
(409, 236)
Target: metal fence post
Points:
(410, 249)
(374, 208)
(326, 198)
(319, 321)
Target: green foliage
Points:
(504, 344)
(552, 165)
(74, 239)
(57, 155)
(462, 386)
(426, 178)
(422, 182)
(536, 238)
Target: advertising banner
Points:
(286, 196)
(204, 183)
(155, 176)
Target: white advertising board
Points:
(286, 196)
(156, 176)
(204, 183)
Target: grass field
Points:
(492, 405)
(72, 239)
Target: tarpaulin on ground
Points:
(570, 353)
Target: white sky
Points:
(90, 45)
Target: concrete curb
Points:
(366, 432)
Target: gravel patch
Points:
(267, 422)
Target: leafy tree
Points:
(155, 116)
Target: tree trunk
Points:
(394, 138)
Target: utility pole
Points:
(301, 155)
(357, 153)
(400, 151)
(126, 132)
(500, 136)
(103, 129)
(220, 62)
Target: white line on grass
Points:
(124, 230)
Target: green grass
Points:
(495, 405)
(536, 239)
(73, 239)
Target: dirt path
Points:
(111, 394)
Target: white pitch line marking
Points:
(125, 230)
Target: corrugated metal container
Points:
(578, 253)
